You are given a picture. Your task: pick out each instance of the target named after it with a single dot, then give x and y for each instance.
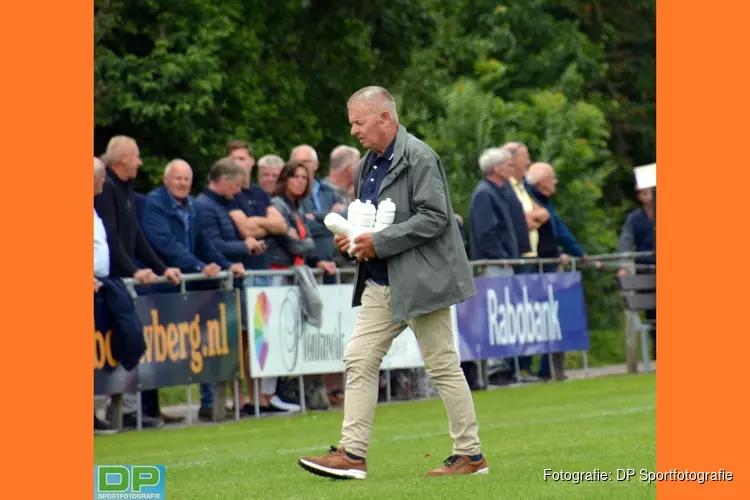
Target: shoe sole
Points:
(485, 470)
(105, 432)
(322, 471)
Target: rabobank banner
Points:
(522, 315)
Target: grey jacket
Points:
(427, 264)
(282, 249)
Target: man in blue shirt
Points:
(251, 208)
(638, 234)
(172, 227)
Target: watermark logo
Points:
(129, 482)
(260, 321)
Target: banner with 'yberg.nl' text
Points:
(523, 315)
(190, 338)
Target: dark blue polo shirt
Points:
(253, 202)
(373, 177)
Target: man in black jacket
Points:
(126, 241)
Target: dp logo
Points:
(129, 481)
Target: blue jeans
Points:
(207, 395)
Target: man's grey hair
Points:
(174, 163)
(538, 171)
(98, 166)
(514, 147)
(301, 147)
(271, 161)
(342, 156)
(376, 95)
(115, 148)
(491, 157)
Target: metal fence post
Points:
(631, 341)
(139, 409)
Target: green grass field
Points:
(605, 423)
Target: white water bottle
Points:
(361, 220)
(385, 215)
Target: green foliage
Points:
(573, 79)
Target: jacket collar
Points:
(536, 194)
(126, 185)
(216, 197)
(397, 157)
(169, 201)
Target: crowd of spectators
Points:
(511, 216)
(237, 225)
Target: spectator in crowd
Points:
(251, 210)
(534, 216)
(253, 215)
(214, 204)
(332, 196)
(172, 227)
(101, 264)
(344, 160)
(638, 234)
(322, 199)
(553, 234)
(492, 233)
(269, 167)
(491, 229)
(126, 241)
(293, 185)
(541, 185)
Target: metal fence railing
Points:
(226, 281)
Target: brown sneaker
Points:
(461, 464)
(335, 464)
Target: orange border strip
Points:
(47, 132)
(703, 111)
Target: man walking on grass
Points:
(408, 274)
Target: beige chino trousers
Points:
(373, 334)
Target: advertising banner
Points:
(190, 338)
(521, 315)
(282, 344)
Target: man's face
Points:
(504, 170)
(130, 160)
(267, 178)
(520, 162)
(367, 125)
(547, 185)
(230, 187)
(645, 196)
(351, 170)
(99, 179)
(244, 159)
(307, 157)
(522, 159)
(179, 180)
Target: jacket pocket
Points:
(433, 258)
